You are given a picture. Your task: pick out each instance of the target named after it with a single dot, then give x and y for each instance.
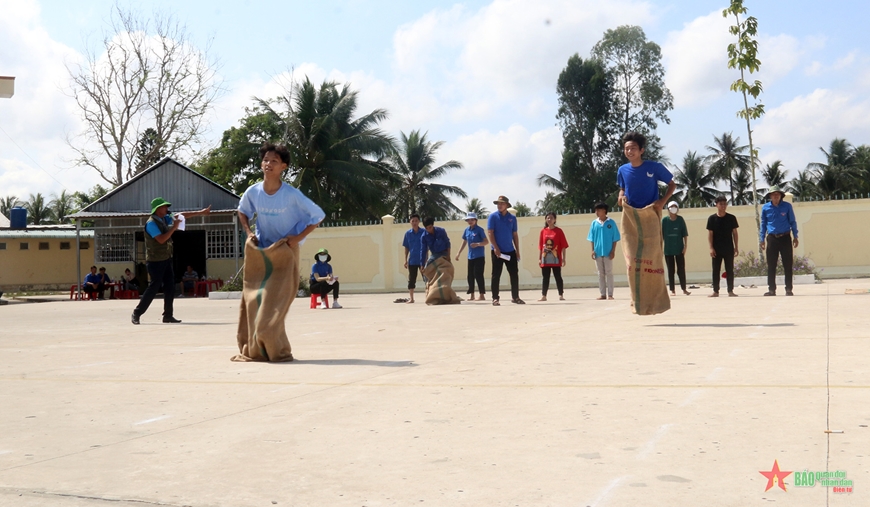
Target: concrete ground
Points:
(575, 403)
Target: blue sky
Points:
(479, 75)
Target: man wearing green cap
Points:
(778, 223)
(322, 280)
(158, 257)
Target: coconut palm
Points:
(522, 209)
(694, 182)
(774, 174)
(803, 186)
(475, 205)
(7, 203)
(726, 158)
(61, 206)
(743, 188)
(38, 211)
(336, 159)
(413, 162)
(839, 173)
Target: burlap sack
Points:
(270, 285)
(644, 260)
(439, 276)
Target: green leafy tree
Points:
(839, 173)
(336, 158)
(413, 161)
(61, 206)
(743, 55)
(742, 188)
(149, 151)
(82, 199)
(695, 184)
(803, 186)
(7, 203)
(475, 205)
(38, 211)
(774, 174)
(862, 163)
(522, 209)
(552, 202)
(726, 158)
(235, 163)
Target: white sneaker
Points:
(335, 304)
(323, 305)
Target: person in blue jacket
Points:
(322, 280)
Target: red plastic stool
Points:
(74, 292)
(315, 304)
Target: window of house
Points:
(219, 243)
(2, 246)
(115, 246)
(43, 245)
(84, 245)
(25, 246)
(64, 245)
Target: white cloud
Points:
(794, 131)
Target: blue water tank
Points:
(18, 218)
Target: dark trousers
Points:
(161, 275)
(729, 270)
(100, 289)
(475, 274)
(779, 247)
(680, 261)
(412, 276)
(557, 274)
(513, 271)
(324, 288)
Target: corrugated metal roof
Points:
(44, 234)
(134, 214)
(185, 188)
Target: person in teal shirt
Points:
(603, 234)
(675, 236)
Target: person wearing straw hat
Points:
(501, 227)
(778, 223)
(475, 237)
(158, 257)
(322, 280)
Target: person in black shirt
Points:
(722, 237)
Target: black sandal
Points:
(518, 301)
(495, 302)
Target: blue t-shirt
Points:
(92, 278)
(321, 269)
(153, 229)
(412, 243)
(503, 229)
(285, 213)
(474, 234)
(641, 183)
(438, 243)
(602, 236)
(777, 219)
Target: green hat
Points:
(776, 188)
(158, 202)
(324, 251)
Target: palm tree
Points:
(7, 203)
(61, 206)
(38, 211)
(742, 188)
(337, 160)
(413, 161)
(726, 158)
(694, 182)
(803, 186)
(839, 173)
(522, 209)
(475, 205)
(774, 174)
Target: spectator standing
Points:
(475, 237)
(676, 239)
(777, 225)
(551, 247)
(722, 237)
(603, 235)
(501, 228)
(412, 243)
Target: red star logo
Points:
(775, 476)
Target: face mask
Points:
(321, 258)
(674, 211)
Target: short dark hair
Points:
(602, 205)
(428, 221)
(279, 150)
(637, 137)
(414, 216)
(93, 267)
(102, 269)
(720, 198)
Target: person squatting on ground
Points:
(551, 257)
(475, 237)
(501, 227)
(93, 283)
(188, 280)
(322, 281)
(778, 223)
(158, 258)
(722, 237)
(676, 241)
(285, 216)
(412, 242)
(603, 235)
